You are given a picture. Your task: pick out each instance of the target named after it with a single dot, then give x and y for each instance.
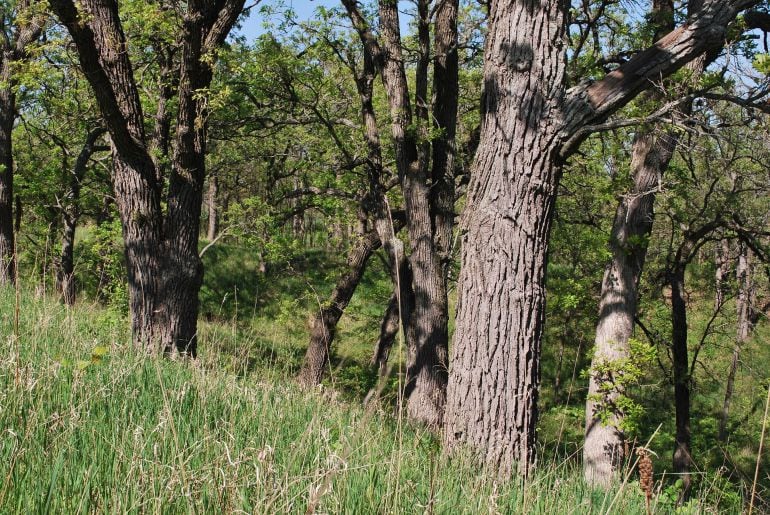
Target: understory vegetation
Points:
(90, 425)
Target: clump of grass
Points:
(90, 426)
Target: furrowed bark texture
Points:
(492, 401)
(427, 337)
(104, 59)
(530, 125)
(604, 444)
(164, 271)
(426, 323)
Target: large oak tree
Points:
(532, 123)
(164, 269)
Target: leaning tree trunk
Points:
(325, 322)
(604, 445)
(743, 330)
(388, 332)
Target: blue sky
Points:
(304, 9)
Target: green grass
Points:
(122, 432)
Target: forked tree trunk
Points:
(743, 331)
(531, 124)
(164, 270)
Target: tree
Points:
(531, 124)
(21, 24)
(428, 213)
(164, 270)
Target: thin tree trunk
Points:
(388, 332)
(325, 322)
(682, 458)
(604, 444)
(213, 212)
(743, 331)
(721, 276)
(24, 30)
(65, 278)
(7, 116)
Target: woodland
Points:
(399, 256)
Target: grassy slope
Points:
(232, 432)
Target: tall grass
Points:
(88, 425)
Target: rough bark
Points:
(496, 354)
(164, 270)
(15, 40)
(65, 276)
(652, 150)
(530, 125)
(743, 331)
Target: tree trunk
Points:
(325, 322)
(721, 276)
(17, 36)
(682, 459)
(65, 277)
(213, 212)
(164, 270)
(531, 124)
(388, 332)
(7, 116)
(492, 402)
(604, 445)
(743, 331)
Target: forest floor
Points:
(88, 425)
